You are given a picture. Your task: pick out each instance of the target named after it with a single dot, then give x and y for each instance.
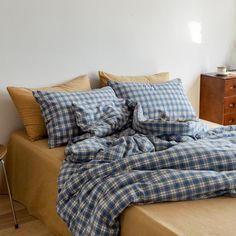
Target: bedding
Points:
(33, 170)
(102, 176)
(165, 101)
(56, 108)
(29, 110)
(208, 217)
(156, 78)
(164, 127)
(102, 118)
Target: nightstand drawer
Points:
(230, 105)
(218, 98)
(230, 119)
(230, 87)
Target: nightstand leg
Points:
(9, 193)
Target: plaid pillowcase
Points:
(102, 118)
(165, 101)
(56, 108)
(162, 127)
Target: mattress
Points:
(209, 217)
(33, 171)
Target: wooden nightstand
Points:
(3, 152)
(218, 98)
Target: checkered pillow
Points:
(102, 118)
(165, 101)
(162, 127)
(56, 108)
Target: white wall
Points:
(43, 42)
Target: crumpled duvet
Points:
(101, 176)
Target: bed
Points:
(33, 170)
(123, 151)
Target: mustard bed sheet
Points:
(33, 170)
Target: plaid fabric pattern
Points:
(94, 191)
(108, 148)
(102, 118)
(58, 115)
(166, 101)
(164, 127)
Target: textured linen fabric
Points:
(165, 101)
(159, 127)
(214, 216)
(56, 108)
(32, 170)
(29, 109)
(102, 176)
(102, 118)
(153, 79)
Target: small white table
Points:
(3, 152)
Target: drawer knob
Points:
(232, 87)
(231, 105)
(231, 121)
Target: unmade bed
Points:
(33, 171)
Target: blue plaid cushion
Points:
(165, 101)
(164, 127)
(56, 108)
(102, 118)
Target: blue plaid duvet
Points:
(101, 176)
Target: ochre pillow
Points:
(29, 109)
(152, 79)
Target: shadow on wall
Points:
(94, 81)
(9, 120)
(231, 56)
(194, 90)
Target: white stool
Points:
(3, 152)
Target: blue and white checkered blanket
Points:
(101, 176)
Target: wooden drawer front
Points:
(230, 105)
(230, 119)
(230, 87)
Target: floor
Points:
(28, 225)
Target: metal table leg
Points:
(9, 193)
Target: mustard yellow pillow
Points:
(29, 110)
(152, 79)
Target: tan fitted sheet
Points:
(209, 217)
(33, 171)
